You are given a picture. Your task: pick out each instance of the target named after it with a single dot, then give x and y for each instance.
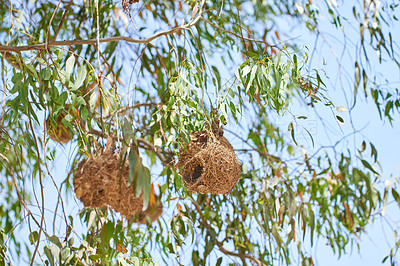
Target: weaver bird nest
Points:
(56, 129)
(103, 181)
(151, 214)
(209, 164)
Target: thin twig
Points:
(41, 189)
(98, 37)
(145, 144)
(51, 20)
(62, 20)
(59, 194)
(241, 32)
(126, 108)
(3, 105)
(20, 197)
(235, 34)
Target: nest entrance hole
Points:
(197, 172)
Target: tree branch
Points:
(43, 46)
(126, 108)
(145, 144)
(239, 255)
(220, 243)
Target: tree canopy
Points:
(115, 115)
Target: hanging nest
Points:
(209, 164)
(152, 212)
(99, 182)
(58, 132)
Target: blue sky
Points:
(376, 243)
(364, 116)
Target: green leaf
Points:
(291, 129)
(69, 65)
(367, 165)
(107, 232)
(54, 239)
(49, 256)
(92, 218)
(388, 107)
(133, 169)
(252, 76)
(363, 146)
(357, 78)
(217, 75)
(385, 197)
(374, 153)
(396, 196)
(80, 78)
(84, 113)
(246, 70)
(33, 71)
(311, 218)
(92, 101)
(340, 120)
(17, 77)
(78, 101)
(209, 247)
(277, 236)
(365, 82)
(311, 137)
(33, 237)
(146, 187)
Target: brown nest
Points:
(58, 132)
(151, 214)
(209, 164)
(102, 181)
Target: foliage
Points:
(150, 73)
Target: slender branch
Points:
(239, 255)
(145, 144)
(51, 20)
(62, 20)
(3, 105)
(264, 154)
(126, 108)
(98, 40)
(41, 188)
(220, 244)
(234, 34)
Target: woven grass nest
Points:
(209, 164)
(99, 182)
(58, 132)
(151, 214)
